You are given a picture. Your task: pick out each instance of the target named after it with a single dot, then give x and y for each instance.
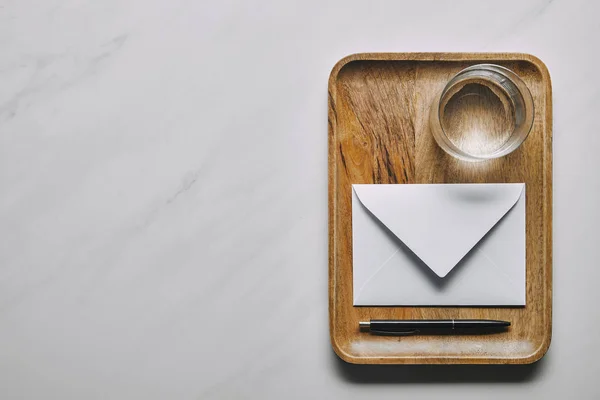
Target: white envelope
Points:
(439, 245)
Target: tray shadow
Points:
(407, 374)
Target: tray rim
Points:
(537, 353)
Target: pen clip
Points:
(397, 333)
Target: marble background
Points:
(163, 195)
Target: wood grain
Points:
(379, 133)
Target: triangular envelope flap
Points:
(440, 223)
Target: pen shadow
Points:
(407, 374)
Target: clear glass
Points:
(484, 112)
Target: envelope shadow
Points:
(435, 280)
(411, 374)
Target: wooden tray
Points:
(378, 133)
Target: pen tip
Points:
(364, 325)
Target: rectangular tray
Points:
(379, 133)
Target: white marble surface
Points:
(163, 207)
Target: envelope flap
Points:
(440, 223)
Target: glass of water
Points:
(485, 111)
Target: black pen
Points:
(433, 326)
